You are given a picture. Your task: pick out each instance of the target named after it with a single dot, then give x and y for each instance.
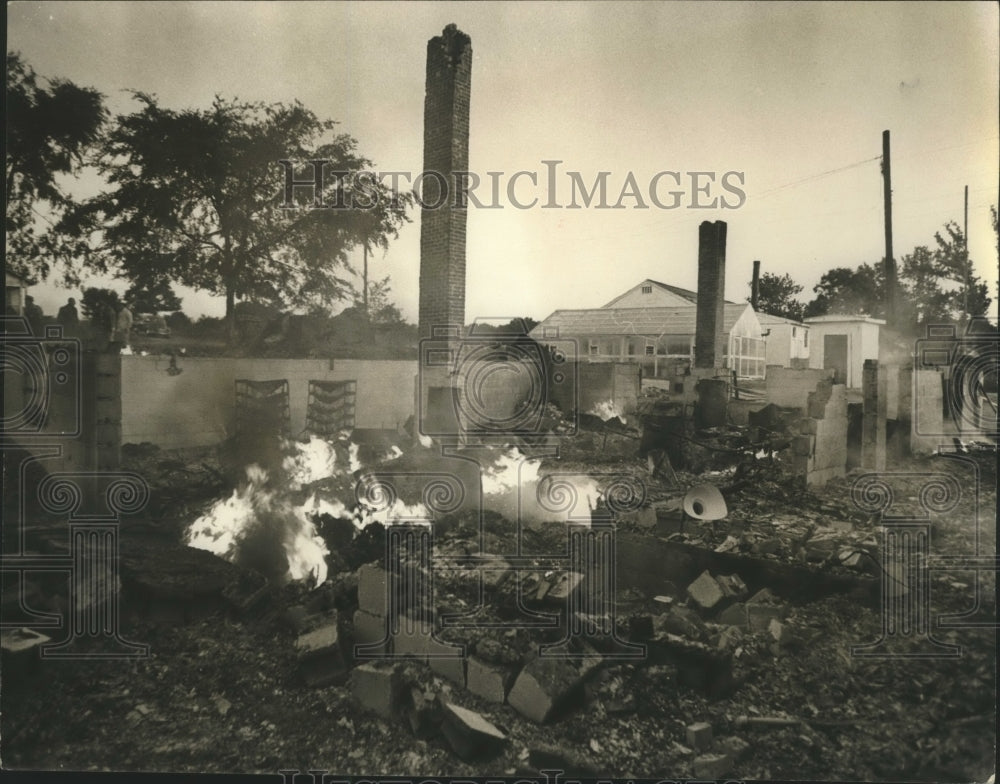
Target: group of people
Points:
(113, 322)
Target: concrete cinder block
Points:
(470, 734)
(374, 584)
(488, 681)
(734, 615)
(378, 688)
(450, 667)
(734, 746)
(699, 735)
(541, 687)
(712, 766)
(371, 630)
(705, 591)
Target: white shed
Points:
(843, 343)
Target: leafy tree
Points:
(380, 309)
(777, 296)
(93, 298)
(850, 292)
(49, 130)
(196, 197)
(152, 297)
(935, 284)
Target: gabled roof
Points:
(690, 296)
(767, 318)
(632, 321)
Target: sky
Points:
(791, 98)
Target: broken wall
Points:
(196, 407)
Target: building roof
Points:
(844, 319)
(690, 296)
(767, 318)
(632, 321)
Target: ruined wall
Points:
(819, 445)
(790, 387)
(196, 407)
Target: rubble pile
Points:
(745, 622)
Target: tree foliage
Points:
(934, 285)
(93, 298)
(851, 292)
(50, 128)
(196, 197)
(381, 309)
(777, 295)
(152, 297)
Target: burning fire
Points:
(265, 524)
(254, 518)
(515, 488)
(607, 410)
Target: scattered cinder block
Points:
(542, 687)
(734, 615)
(322, 640)
(423, 713)
(733, 745)
(378, 688)
(370, 630)
(470, 735)
(712, 766)
(21, 654)
(488, 681)
(729, 638)
(759, 616)
(680, 620)
(732, 586)
(705, 591)
(450, 667)
(699, 735)
(374, 584)
(321, 661)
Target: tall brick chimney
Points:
(446, 150)
(709, 338)
(755, 285)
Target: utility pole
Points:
(890, 263)
(965, 254)
(364, 294)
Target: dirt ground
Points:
(220, 692)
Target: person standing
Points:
(35, 316)
(122, 328)
(68, 317)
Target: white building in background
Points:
(785, 339)
(843, 343)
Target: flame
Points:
(607, 409)
(235, 527)
(515, 487)
(411, 513)
(309, 462)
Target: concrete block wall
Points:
(196, 407)
(791, 387)
(819, 448)
(928, 406)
